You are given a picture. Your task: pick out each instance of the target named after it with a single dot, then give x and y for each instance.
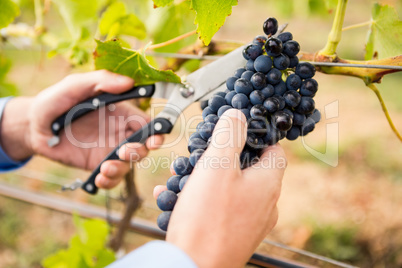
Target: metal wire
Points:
(316, 63)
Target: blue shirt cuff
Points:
(155, 254)
(6, 163)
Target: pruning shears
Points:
(197, 86)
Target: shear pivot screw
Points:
(158, 126)
(142, 91)
(95, 102)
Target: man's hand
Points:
(223, 213)
(26, 126)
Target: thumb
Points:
(229, 137)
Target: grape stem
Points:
(174, 40)
(335, 35)
(357, 25)
(384, 108)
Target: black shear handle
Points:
(156, 126)
(97, 102)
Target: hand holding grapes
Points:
(26, 126)
(223, 212)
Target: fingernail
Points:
(111, 171)
(235, 113)
(122, 79)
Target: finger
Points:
(159, 189)
(132, 152)
(229, 138)
(134, 117)
(114, 169)
(155, 142)
(105, 183)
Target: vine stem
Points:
(384, 108)
(174, 40)
(357, 25)
(335, 35)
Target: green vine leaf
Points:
(115, 21)
(8, 11)
(111, 56)
(385, 35)
(6, 89)
(210, 16)
(162, 3)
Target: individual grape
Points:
(217, 102)
(230, 82)
(183, 181)
(239, 72)
(270, 26)
(182, 166)
(258, 81)
(268, 91)
(285, 36)
(306, 105)
(203, 104)
(252, 51)
(223, 109)
(272, 136)
(307, 127)
(291, 48)
(207, 111)
(199, 125)
(281, 100)
(260, 40)
(163, 220)
(280, 88)
(281, 62)
(271, 105)
(243, 86)
(247, 75)
(229, 97)
(196, 143)
(240, 101)
(250, 65)
(293, 62)
(293, 82)
(258, 111)
(258, 127)
(274, 76)
(273, 47)
(316, 116)
(289, 112)
(212, 118)
(293, 133)
(252, 140)
(193, 158)
(309, 87)
(173, 183)
(220, 93)
(206, 131)
(246, 113)
(282, 121)
(263, 64)
(298, 119)
(166, 200)
(282, 134)
(305, 70)
(292, 98)
(248, 158)
(256, 97)
(195, 135)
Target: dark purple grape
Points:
(305, 70)
(223, 109)
(212, 118)
(274, 76)
(172, 183)
(252, 140)
(293, 82)
(196, 143)
(258, 111)
(298, 119)
(270, 26)
(273, 47)
(293, 62)
(289, 112)
(309, 87)
(240, 101)
(206, 131)
(316, 116)
(163, 220)
(263, 64)
(229, 97)
(252, 51)
(217, 102)
(285, 36)
(281, 62)
(272, 136)
(293, 133)
(182, 166)
(291, 48)
(203, 104)
(256, 97)
(282, 121)
(246, 113)
(195, 135)
(183, 181)
(258, 81)
(250, 65)
(207, 111)
(307, 127)
(260, 40)
(268, 91)
(166, 200)
(271, 105)
(243, 86)
(306, 105)
(230, 82)
(247, 75)
(258, 127)
(292, 98)
(239, 72)
(280, 88)
(281, 100)
(194, 157)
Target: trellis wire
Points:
(41, 176)
(317, 63)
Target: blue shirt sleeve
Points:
(6, 163)
(155, 254)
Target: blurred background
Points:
(350, 211)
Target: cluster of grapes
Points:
(274, 91)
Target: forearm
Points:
(14, 129)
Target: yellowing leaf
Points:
(385, 36)
(111, 56)
(8, 11)
(210, 16)
(162, 3)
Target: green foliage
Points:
(111, 56)
(337, 242)
(385, 35)
(8, 11)
(116, 21)
(162, 3)
(6, 89)
(173, 21)
(87, 248)
(210, 16)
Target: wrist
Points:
(14, 129)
